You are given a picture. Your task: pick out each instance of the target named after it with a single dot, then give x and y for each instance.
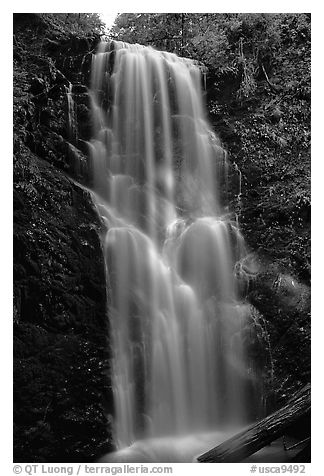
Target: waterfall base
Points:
(186, 449)
(168, 449)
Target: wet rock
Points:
(79, 89)
(61, 322)
(284, 302)
(61, 348)
(37, 86)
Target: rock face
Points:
(267, 135)
(61, 348)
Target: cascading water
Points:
(178, 365)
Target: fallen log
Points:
(261, 433)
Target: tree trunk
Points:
(260, 434)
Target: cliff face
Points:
(61, 351)
(262, 114)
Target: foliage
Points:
(63, 24)
(60, 325)
(61, 353)
(160, 30)
(47, 59)
(76, 23)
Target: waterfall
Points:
(178, 357)
(72, 119)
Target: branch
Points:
(272, 86)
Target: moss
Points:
(62, 394)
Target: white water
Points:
(179, 449)
(178, 364)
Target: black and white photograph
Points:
(161, 241)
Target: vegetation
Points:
(61, 352)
